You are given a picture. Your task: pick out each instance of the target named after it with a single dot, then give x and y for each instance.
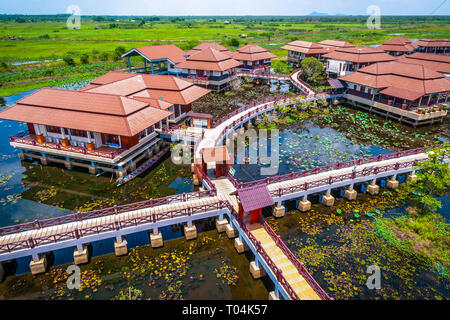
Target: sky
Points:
(225, 7)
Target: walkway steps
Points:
(290, 272)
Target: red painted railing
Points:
(275, 99)
(31, 140)
(344, 177)
(335, 166)
(275, 76)
(257, 244)
(112, 226)
(301, 82)
(80, 216)
(298, 264)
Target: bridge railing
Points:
(317, 170)
(298, 264)
(343, 177)
(303, 83)
(275, 99)
(78, 233)
(80, 216)
(257, 244)
(263, 75)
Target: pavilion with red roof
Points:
(343, 61)
(254, 58)
(397, 46)
(252, 200)
(436, 46)
(400, 88)
(209, 68)
(299, 50)
(158, 59)
(207, 45)
(172, 93)
(98, 131)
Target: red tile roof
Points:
(359, 55)
(305, 47)
(255, 197)
(412, 77)
(165, 51)
(171, 89)
(85, 111)
(397, 45)
(432, 43)
(209, 59)
(437, 62)
(401, 93)
(252, 52)
(155, 103)
(112, 76)
(336, 44)
(207, 45)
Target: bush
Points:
(69, 61)
(104, 56)
(118, 52)
(84, 58)
(4, 66)
(44, 37)
(279, 66)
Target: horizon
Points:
(208, 8)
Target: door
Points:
(254, 216)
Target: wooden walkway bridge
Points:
(293, 78)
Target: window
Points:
(142, 134)
(111, 140)
(78, 133)
(53, 129)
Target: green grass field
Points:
(47, 39)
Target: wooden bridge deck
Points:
(324, 175)
(99, 221)
(224, 187)
(290, 272)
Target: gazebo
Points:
(252, 200)
(218, 156)
(200, 120)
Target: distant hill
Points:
(321, 14)
(317, 14)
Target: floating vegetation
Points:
(130, 293)
(10, 199)
(227, 273)
(46, 194)
(337, 249)
(90, 281)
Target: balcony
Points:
(408, 110)
(24, 139)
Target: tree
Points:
(433, 179)
(280, 66)
(234, 42)
(313, 70)
(84, 58)
(69, 60)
